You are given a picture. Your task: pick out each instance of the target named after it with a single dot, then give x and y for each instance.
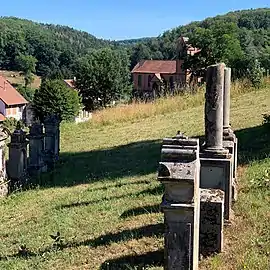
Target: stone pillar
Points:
(216, 161)
(52, 140)
(17, 163)
(4, 186)
(214, 108)
(179, 171)
(229, 139)
(36, 163)
(226, 99)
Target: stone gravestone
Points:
(36, 164)
(179, 171)
(4, 185)
(17, 163)
(52, 140)
(229, 139)
(216, 161)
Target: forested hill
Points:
(234, 38)
(250, 27)
(55, 47)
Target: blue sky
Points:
(123, 19)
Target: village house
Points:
(84, 115)
(149, 76)
(12, 103)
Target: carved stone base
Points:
(181, 239)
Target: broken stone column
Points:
(229, 138)
(17, 163)
(36, 164)
(214, 109)
(179, 171)
(52, 140)
(216, 162)
(4, 186)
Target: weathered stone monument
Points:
(189, 209)
(179, 171)
(36, 164)
(216, 161)
(17, 163)
(229, 138)
(4, 185)
(52, 140)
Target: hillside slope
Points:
(54, 46)
(253, 33)
(104, 196)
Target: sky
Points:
(123, 19)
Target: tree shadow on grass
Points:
(134, 159)
(253, 144)
(152, 230)
(148, 209)
(149, 259)
(158, 190)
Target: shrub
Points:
(26, 92)
(54, 97)
(12, 123)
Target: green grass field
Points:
(104, 197)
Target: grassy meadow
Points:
(15, 78)
(103, 197)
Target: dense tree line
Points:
(240, 39)
(54, 47)
(233, 38)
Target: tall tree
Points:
(27, 64)
(102, 76)
(54, 97)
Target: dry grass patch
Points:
(103, 197)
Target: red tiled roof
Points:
(155, 66)
(9, 94)
(2, 117)
(70, 83)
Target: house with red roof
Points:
(12, 103)
(150, 75)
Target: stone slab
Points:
(211, 221)
(218, 174)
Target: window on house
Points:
(149, 80)
(139, 80)
(21, 109)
